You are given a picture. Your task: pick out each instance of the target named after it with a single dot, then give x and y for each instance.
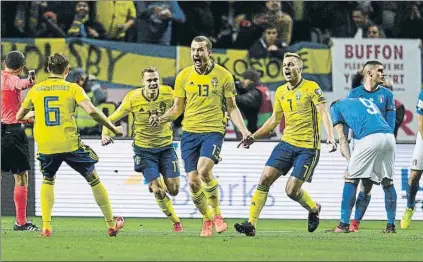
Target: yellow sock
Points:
(257, 203)
(200, 201)
(305, 200)
(211, 189)
(102, 198)
(166, 205)
(47, 201)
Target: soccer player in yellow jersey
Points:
(302, 103)
(54, 101)
(202, 92)
(153, 149)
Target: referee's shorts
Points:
(14, 149)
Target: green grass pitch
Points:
(86, 239)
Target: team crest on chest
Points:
(298, 96)
(162, 106)
(214, 82)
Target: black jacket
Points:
(249, 102)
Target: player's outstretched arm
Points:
(22, 114)
(236, 117)
(101, 118)
(171, 115)
(120, 113)
(343, 141)
(327, 123)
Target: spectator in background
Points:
(199, 21)
(116, 17)
(282, 21)
(361, 23)
(374, 31)
(249, 98)
(269, 45)
(43, 21)
(83, 25)
(411, 24)
(155, 20)
(86, 125)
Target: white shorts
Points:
(417, 163)
(373, 157)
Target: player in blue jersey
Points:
(416, 168)
(372, 160)
(383, 98)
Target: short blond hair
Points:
(297, 56)
(149, 69)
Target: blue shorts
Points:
(304, 160)
(194, 145)
(81, 160)
(152, 162)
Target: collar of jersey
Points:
(207, 72)
(297, 85)
(158, 93)
(370, 92)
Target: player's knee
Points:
(291, 192)
(266, 180)
(205, 173)
(21, 179)
(415, 177)
(159, 192)
(49, 180)
(386, 182)
(92, 178)
(173, 190)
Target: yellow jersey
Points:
(54, 101)
(142, 108)
(205, 98)
(302, 121)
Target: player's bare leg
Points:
(295, 192)
(268, 177)
(102, 198)
(200, 201)
(413, 187)
(21, 199)
(159, 190)
(362, 203)
(211, 189)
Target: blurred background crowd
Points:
(264, 28)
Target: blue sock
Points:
(348, 199)
(361, 205)
(411, 195)
(390, 203)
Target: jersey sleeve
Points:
(179, 85)
(390, 109)
(123, 110)
(27, 103)
(316, 94)
(79, 93)
(277, 107)
(336, 115)
(419, 107)
(229, 86)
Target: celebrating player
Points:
(200, 91)
(55, 132)
(302, 103)
(154, 153)
(372, 159)
(383, 98)
(14, 143)
(416, 168)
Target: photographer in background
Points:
(249, 98)
(86, 125)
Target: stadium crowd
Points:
(265, 28)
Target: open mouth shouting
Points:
(287, 74)
(197, 61)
